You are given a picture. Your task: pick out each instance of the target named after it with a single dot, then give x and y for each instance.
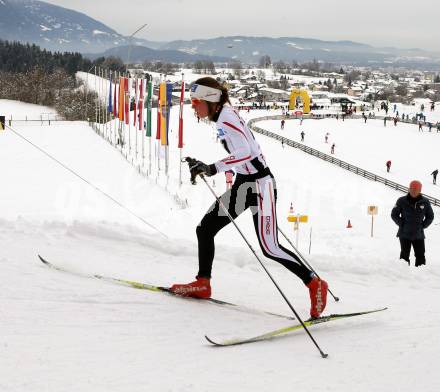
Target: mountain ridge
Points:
(61, 29)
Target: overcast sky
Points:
(376, 22)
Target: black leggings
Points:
(419, 250)
(260, 196)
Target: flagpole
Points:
(107, 112)
(104, 114)
(101, 120)
(107, 92)
(121, 124)
(96, 102)
(134, 118)
(149, 114)
(124, 131)
(159, 103)
(98, 108)
(111, 112)
(167, 125)
(142, 119)
(157, 114)
(102, 95)
(105, 85)
(129, 124)
(104, 81)
(115, 110)
(180, 135)
(118, 122)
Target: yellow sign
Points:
(373, 210)
(298, 218)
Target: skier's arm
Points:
(429, 216)
(396, 214)
(240, 151)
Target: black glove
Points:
(198, 167)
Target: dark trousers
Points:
(244, 194)
(419, 250)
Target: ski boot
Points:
(318, 296)
(200, 288)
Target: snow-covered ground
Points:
(61, 332)
(24, 111)
(413, 154)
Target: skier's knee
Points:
(203, 232)
(265, 252)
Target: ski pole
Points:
(303, 259)
(261, 263)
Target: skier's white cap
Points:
(205, 93)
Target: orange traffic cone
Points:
(349, 226)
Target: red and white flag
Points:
(141, 105)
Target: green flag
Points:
(149, 99)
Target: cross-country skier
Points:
(388, 165)
(434, 176)
(254, 188)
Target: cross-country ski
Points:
(285, 330)
(150, 287)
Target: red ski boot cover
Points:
(318, 296)
(200, 288)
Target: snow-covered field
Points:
(61, 332)
(413, 154)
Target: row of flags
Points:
(120, 104)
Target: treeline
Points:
(18, 57)
(58, 90)
(34, 75)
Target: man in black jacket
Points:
(412, 213)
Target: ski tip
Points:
(379, 310)
(212, 341)
(42, 260)
(208, 339)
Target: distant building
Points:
(274, 94)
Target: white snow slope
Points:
(61, 332)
